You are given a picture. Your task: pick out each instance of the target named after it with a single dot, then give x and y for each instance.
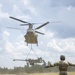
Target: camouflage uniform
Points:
(63, 65)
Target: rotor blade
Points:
(29, 23)
(56, 22)
(39, 32)
(18, 60)
(18, 19)
(15, 28)
(24, 24)
(42, 25)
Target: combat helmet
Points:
(62, 57)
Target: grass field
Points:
(69, 73)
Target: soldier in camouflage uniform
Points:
(62, 64)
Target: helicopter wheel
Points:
(37, 44)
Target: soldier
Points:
(62, 64)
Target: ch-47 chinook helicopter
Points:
(31, 34)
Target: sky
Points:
(59, 38)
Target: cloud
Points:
(3, 14)
(5, 35)
(66, 29)
(58, 39)
(16, 9)
(55, 46)
(4, 38)
(30, 7)
(57, 11)
(62, 3)
(21, 14)
(63, 44)
(69, 8)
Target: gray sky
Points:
(59, 37)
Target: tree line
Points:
(32, 69)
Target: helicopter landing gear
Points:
(27, 44)
(37, 44)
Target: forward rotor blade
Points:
(18, 19)
(15, 28)
(29, 24)
(39, 32)
(42, 25)
(18, 60)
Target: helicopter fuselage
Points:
(31, 37)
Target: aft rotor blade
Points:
(42, 25)
(15, 28)
(39, 32)
(18, 19)
(25, 24)
(56, 22)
